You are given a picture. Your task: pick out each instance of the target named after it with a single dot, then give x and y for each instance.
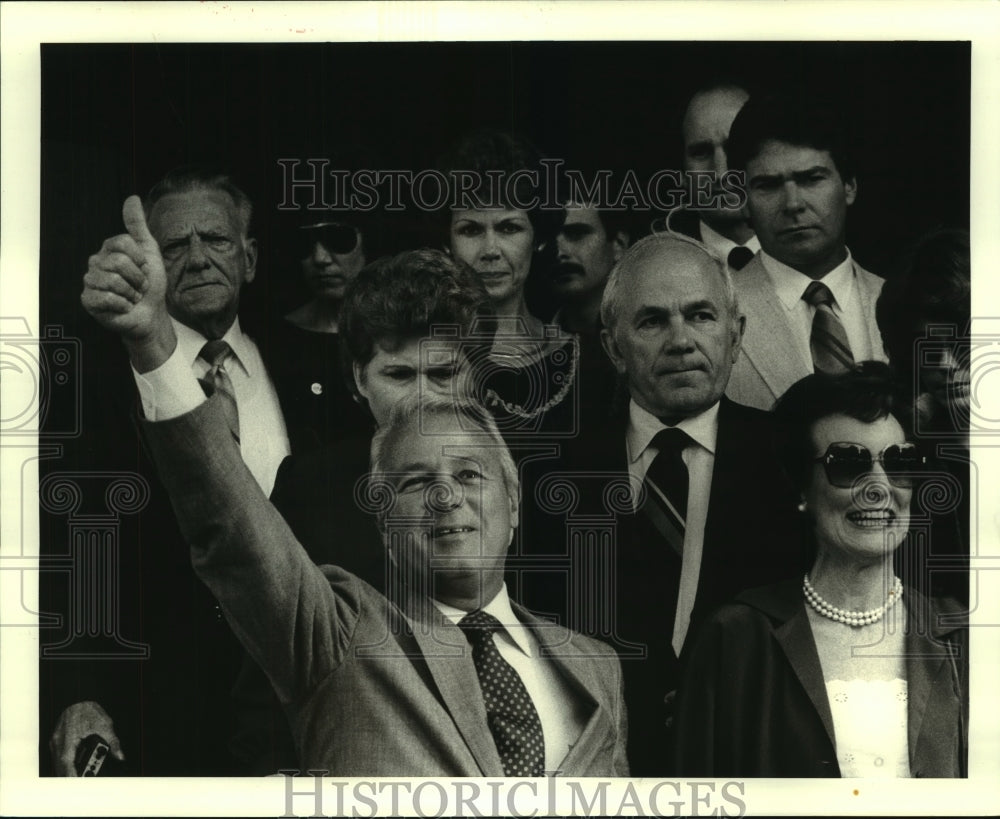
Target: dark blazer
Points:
(371, 687)
(753, 701)
(752, 536)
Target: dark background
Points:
(116, 117)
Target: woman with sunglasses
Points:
(841, 672)
(305, 362)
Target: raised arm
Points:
(278, 603)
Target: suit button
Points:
(317, 388)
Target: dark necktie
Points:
(217, 380)
(831, 351)
(667, 487)
(510, 713)
(739, 257)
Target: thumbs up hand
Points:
(124, 289)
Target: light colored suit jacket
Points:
(371, 687)
(768, 363)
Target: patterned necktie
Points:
(667, 486)
(739, 257)
(218, 380)
(831, 351)
(510, 713)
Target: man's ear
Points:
(611, 348)
(250, 252)
(740, 326)
(358, 371)
(619, 244)
(851, 190)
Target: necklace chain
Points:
(493, 400)
(851, 618)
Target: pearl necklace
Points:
(851, 618)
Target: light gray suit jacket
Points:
(768, 363)
(371, 687)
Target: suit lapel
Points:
(796, 640)
(869, 287)
(765, 343)
(927, 658)
(449, 659)
(555, 644)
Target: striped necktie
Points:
(667, 486)
(510, 713)
(831, 351)
(217, 380)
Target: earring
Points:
(802, 506)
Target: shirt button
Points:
(879, 762)
(317, 388)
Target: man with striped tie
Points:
(172, 714)
(809, 304)
(711, 514)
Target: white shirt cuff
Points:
(170, 390)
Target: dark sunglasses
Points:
(336, 237)
(845, 462)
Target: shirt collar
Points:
(190, 342)
(500, 608)
(790, 284)
(643, 426)
(720, 245)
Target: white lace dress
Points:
(869, 722)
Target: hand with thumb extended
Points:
(124, 289)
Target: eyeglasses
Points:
(336, 237)
(845, 462)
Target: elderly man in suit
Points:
(809, 305)
(709, 513)
(443, 676)
(173, 710)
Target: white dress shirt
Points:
(789, 285)
(170, 391)
(559, 708)
(699, 458)
(721, 246)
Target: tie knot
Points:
(739, 257)
(478, 626)
(671, 440)
(818, 293)
(215, 352)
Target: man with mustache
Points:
(809, 304)
(707, 515)
(588, 244)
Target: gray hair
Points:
(623, 273)
(469, 416)
(189, 178)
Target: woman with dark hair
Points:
(496, 226)
(405, 325)
(841, 673)
(305, 346)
